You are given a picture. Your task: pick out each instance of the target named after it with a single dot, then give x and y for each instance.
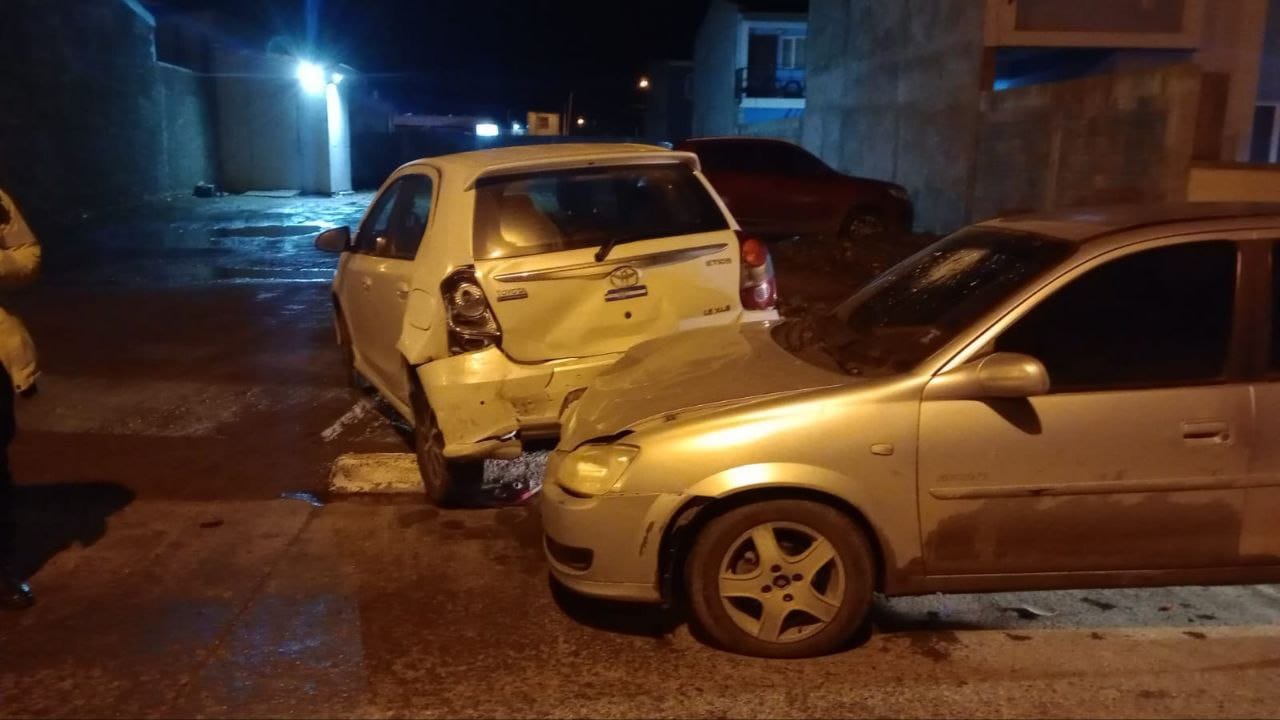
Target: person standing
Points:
(19, 265)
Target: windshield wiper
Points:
(606, 248)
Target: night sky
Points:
(495, 57)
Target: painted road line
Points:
(375, 474)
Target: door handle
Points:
(402, 291)
(1208, 432)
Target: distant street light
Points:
(582, 122)
(644, 83)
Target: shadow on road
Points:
(613, 616)
(52, 518)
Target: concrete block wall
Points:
(1124, 137)
(188, 153)
(893, 94)
(85, 109)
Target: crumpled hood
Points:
(720, 365)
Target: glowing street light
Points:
(486, 129)
(582, 122)
(644, 83)
(312, 77)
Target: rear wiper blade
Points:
(606, 248)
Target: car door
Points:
(673, 265)
(1260, 541)
(1136, 458)
(380, 276)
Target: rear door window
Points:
(586, 207)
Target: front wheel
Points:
(447, 483)
(780, 579)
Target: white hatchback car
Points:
(484, 290)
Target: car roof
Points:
(1086, 223)
(477, 163)
(735, 140)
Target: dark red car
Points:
(776, 188)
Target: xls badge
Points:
(626, 284)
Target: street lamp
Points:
(581, 122)
(644, 83)
(312, 77)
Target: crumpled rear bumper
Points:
(485, 402)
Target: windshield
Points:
(587, 207)
(922, 304)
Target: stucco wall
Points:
(1125, 137)
(88, 118)
(893, 94)
(715, 109)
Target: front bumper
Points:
(604, 546)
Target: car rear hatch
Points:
(593, 259)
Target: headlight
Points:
(593, 470)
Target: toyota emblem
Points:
(624, 277)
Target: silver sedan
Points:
(1084, 399)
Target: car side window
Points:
(1153, 318)
(413, 212)
(378, 223)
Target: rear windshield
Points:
(519, 215)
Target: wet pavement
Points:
(188, 562)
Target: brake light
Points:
(472, 325)
(759, 288)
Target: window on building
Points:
(1157, 317)
(791, 51)
(1266, 134)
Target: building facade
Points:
(750, 66)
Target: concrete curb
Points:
(375, 474)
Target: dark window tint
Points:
(584, 208)
(1157, 317)
(378, 222)
(399, 217)
(411, 216)
(1275, 307)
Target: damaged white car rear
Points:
(483, 291)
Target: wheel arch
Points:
(696, 512)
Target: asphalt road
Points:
(187, 562)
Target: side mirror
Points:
(1000, 375)
(334, 240)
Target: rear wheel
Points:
(780, 579)
(448, 483)
(861, 221)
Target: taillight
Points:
(759, 289)
(472, 325)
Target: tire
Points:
(861, 222)
(447, 483)
(353, 377)
(737, 614)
